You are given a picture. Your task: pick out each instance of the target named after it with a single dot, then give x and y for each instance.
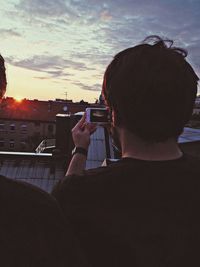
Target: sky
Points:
(60, 48)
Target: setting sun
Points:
(18, 99)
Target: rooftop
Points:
(45, 169)
(42, 170)
(36, 110)
(189, 135)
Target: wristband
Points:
(79, 150)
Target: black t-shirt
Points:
(136, 213)
(33, 231)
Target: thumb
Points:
(91, 127)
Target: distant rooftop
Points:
(98, 149)
(189, 135)
(36, 110)
(42, 170)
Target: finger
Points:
(80, 124)
(91, 127)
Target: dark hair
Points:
(3, 81)
(152, 89)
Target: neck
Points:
(135, 147)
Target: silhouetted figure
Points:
(144, 209)
(33, 231)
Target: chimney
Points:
(64, 142)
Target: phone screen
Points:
(99, 115)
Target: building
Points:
(189, 141)
(24, 124)
(46, 169)
(196, 109)
(197, 101)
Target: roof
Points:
(189, 135)
(36, 110)
(42, 170)
(98, 149)
(45, 170)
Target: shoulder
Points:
(15, 192)
(100, 173)
(30, 220)
(191, 163)
(28, 206)
(90, 179)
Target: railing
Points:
(45, 144)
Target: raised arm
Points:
(81, 137)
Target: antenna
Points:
(66, 95)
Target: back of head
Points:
(152, 89)
(3, 82)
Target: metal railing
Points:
(47, 143)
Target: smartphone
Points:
(99, 116)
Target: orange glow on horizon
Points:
(18, 99)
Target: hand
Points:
(81, 133)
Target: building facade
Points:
(24, 135)
(23, 125)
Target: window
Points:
(12, 143)
(2, 126)
(23, 145)
(23, 140)
(2, 142)
(23, 128)
(12, 127)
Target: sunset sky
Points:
(57, 46)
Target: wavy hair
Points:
(151, 88)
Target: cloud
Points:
(105, 16)
(95, 57)
(47, 8)
(7, 33)
(41, 78)
(94, 87)
(90, 32)
(55, 66)
(194, 56)
(84, 12)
